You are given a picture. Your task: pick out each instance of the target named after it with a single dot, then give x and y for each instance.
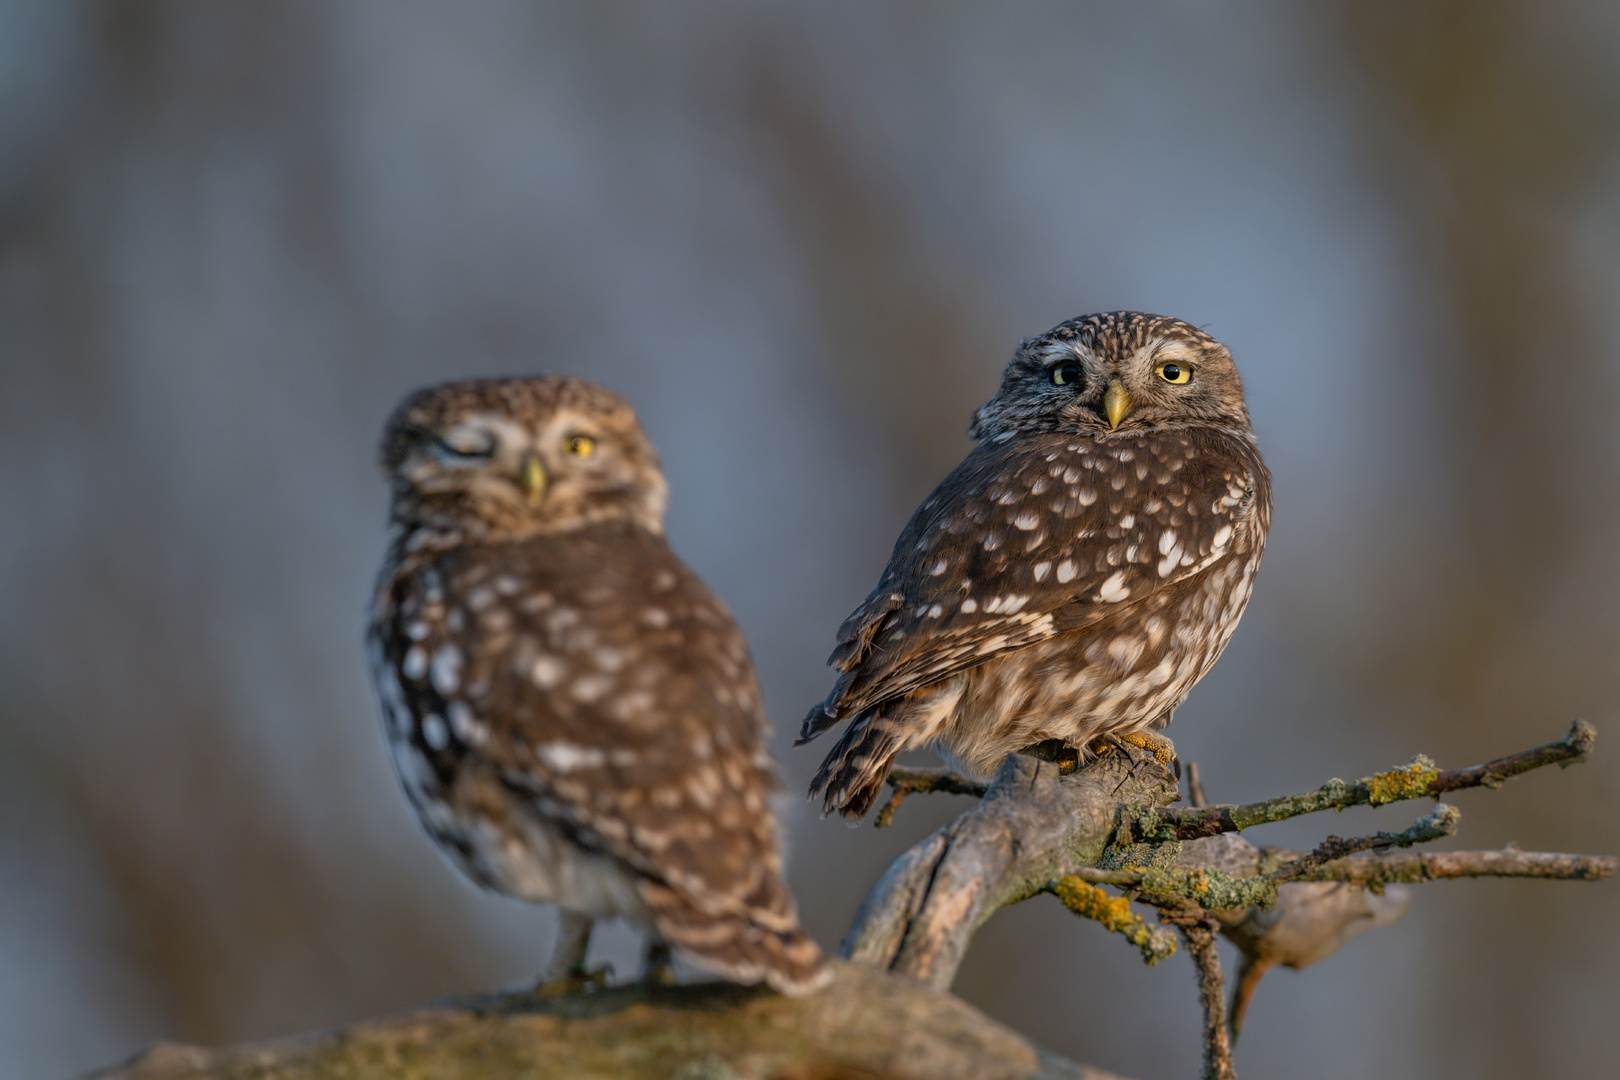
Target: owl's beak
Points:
(1116, 403)
(532, 479)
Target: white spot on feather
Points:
(1026, 521)
(562, 756)
(546, 672)
(590, 687)
(434, 733)
(1113, 589)
(446, 672)
(416, 663)
(1066, 570)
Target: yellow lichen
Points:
(1090, 902)
(1411, 782)
(1115, 914)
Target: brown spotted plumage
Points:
(1075, 575)
(575, 718)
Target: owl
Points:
(1069, 582)
(573, 715)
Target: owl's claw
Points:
(1154, 745)
(1152, 742)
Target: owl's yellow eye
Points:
(581, 445)
(1065, 374)
(1174, 373)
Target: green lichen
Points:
(1207, 888)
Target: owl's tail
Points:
(852, 775)
(746, 947)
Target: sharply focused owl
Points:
(573, 715)
(1074, 577)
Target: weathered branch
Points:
(1419, 779)
(907, 781)
(866, 1024)
(1442, 821)
(1376, 871)
(1032, 828)
(1200, 938)
(1034, 831)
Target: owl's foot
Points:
(569, 983)
(1157, 746)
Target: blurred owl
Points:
(574, 716)
(1073, 578)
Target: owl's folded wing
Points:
(1013, 549)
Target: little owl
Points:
(574, 716)
(1074, 577)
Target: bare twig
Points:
(1419, 779)
(1195, 786)
(1442, 821)
(919, 781)
(1376, 871)
(1408, 868)
(1200, 938)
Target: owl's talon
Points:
(1151, 741)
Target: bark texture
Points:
(865, 1026)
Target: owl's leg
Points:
(573, 942)
(566, 972)
(659, 966)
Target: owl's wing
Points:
(1040, 536)
(610, 691)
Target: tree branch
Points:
(1200, 938)
(1442, 821)
(1419, 779)
(907, 781)
(1376, 871)
(866, 1024)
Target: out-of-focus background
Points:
(803, 238)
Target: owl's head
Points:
(501, 459)
(1120, 371)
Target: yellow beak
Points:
(532, 479)
(1116, 403)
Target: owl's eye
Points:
(1066, 375)
(1174, 373)
(581, 445)
(466, 443)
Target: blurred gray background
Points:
(803, 238)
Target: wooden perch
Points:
(866, 1024)
(887, 1015)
